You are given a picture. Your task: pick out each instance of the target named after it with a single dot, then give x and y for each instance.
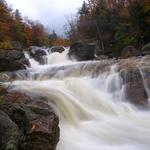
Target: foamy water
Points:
(92, 109)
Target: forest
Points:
(16, 29)
(114, 24)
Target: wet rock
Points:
(82, 51)
(99, 52)
(131, 71)
(58, 49)
(101, 57)
(37, 53)
(36, 122)
(130, 51)
(135, 91)
(146, 49)
(11, 60)
(9, 133)
(16, 45)
(43, 134)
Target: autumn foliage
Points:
(23, 30)
(115, 24)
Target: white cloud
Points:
(49, 12)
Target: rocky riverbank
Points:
(133, 71)
(26, 122)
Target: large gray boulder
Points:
(11, 60)
(130, 51)
(135, 73)
(58, 49)
(146, 49)
(37, 53)
(135, 91)
(82, 51)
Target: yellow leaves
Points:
(147, 9)
(5, 45)
(61, 42)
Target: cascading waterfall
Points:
(90, 107)
(143, 70)
(49, 58)
(33, 63)
(57, 58)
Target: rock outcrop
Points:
(82, 51)
(146, 49)
(37, 53)
(58, 49)
(11, 60)
(130, 51)
(135, 75)
(9, 133)
(26, 122)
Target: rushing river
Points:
(90, 103)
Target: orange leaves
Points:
(25, 31)
(61, 42)
(33, 126)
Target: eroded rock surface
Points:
(82, 51)
(11, 60)
(29, 121)
(135, 73)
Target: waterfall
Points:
(143, 68)
(49, 58)
(33, 62)
(57, 58)
(88, 98)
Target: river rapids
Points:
(90, 103)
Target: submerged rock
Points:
(34, 124)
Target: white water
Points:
(92, 111)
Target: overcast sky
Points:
(51, 13)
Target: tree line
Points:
(15, 28)
(114, 24)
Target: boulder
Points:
(130, 51)
(35, 123)
(146, 49)
(58, 49)
(16, 45)
(99, 52)
(37, 53)
(11, 60)
(135, 91)
(9, 133)
(135, 77)
(82, 51)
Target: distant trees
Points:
(25, 31)
(115, 24)
(140, 20)
(57, 40)
(5, 23)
